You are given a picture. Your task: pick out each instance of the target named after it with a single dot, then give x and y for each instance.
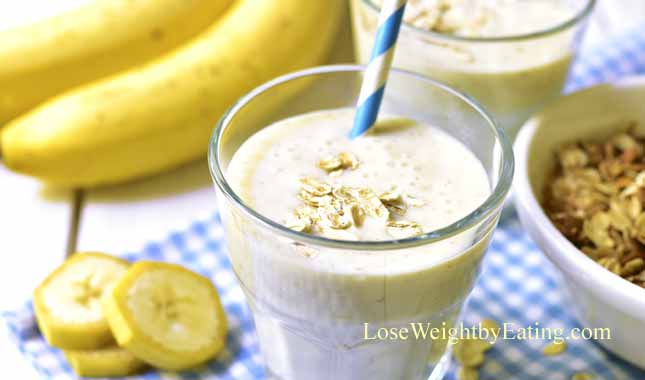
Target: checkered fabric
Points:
(518, 285)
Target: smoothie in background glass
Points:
(392, 234)
(513, 56)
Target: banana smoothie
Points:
(321, 310)
(513, 56)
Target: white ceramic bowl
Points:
(599, 298)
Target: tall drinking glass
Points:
(318, 303)
(512, 75)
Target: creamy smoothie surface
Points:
(424, 178)
(474, 19)
(485, 18)
(512, 77)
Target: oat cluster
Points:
(336, 165)
(332, 209)
(595, 198)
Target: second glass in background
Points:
(512, 76)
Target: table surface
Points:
(38, 226)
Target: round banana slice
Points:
(67, 304)
(166, 315)
(104, 362)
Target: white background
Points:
(35, 222)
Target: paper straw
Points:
(378, 69)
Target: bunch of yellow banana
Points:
(91, 42)
(111, 318)
(159, 114)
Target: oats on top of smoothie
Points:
(338, 217)
(482, 18)
(315, 187)
(373, 206)
(403, 229)
(357, 213)
(331, 209)
(595, 197)
(349, 161)
(299, 224)
(344, 193)
(391, 197)
(314, 200)
(393, 201)
(330, 163)
(462, 17)
(335, 165)
(448, 16)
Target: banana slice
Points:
(166, 315)
(67, 304)
(104, 362)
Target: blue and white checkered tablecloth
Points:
(518, 285)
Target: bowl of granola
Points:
(580, 195)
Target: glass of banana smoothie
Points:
(513, 56)
(348, 249)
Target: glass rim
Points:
(481, 213)
(570, 22)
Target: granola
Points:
(595, 197)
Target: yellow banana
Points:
(159, 116)
(166, 315)
(111, 361)
(93, 41)
(67, 304)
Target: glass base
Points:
(437, 373)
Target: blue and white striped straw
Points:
(369, 100)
